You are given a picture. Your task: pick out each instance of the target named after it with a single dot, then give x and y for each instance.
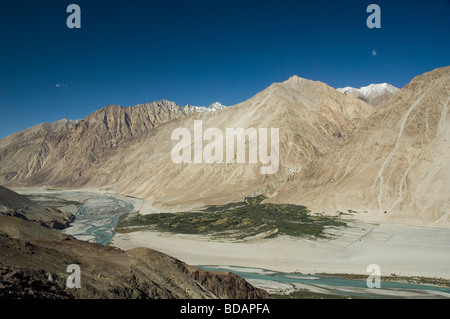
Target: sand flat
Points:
(397, 249)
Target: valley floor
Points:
(399, 250)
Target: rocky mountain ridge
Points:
(35, 259)
(396, 164)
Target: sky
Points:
(199, 52)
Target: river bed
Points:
(96, 214)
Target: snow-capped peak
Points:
(375, 89)
(371, 90)
(216, 106)
(375, 94)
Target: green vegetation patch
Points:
(437, 282)
(236, 220)
(306, 294)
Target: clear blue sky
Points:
(199, 52)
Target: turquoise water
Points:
(102, 234)
(334, 284)
(96, 222)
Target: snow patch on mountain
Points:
(214, 107)
(375, 94)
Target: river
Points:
(97, 217)
(96, 214)
(275, 281)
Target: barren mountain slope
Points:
(67, 146)
(396, 165)
(312, 119)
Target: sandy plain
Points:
(397, 249)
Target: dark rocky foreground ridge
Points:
(16, 205)
(34, 260)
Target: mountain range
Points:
(376, 149)
(397, 162)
